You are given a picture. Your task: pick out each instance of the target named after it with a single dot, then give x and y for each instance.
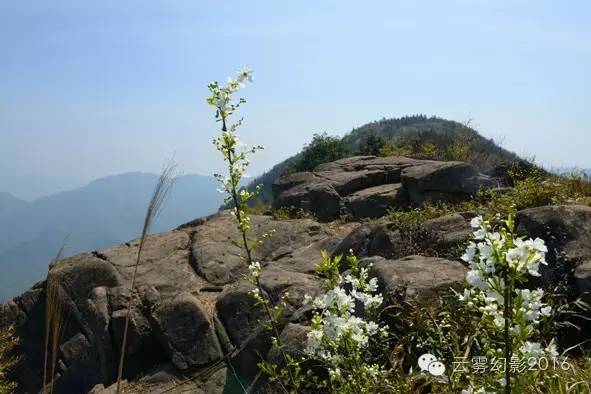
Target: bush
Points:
(371, 145)
(7, 361)
(322, 149)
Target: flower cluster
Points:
(494, 252)
(221, 96)
(345, 319)
(234, 152)
(498, 261)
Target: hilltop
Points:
(417, 136)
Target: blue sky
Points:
(90, 88)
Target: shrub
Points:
(323, 148)
(7, 360)
(371, 145)
(391, 150)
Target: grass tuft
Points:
(161, 192)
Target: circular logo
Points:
(425, 360)
(436, 368)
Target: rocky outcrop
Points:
(368, 186)
(388, 240)
(190, 308)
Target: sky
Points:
(96, 88)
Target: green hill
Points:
(416, 136)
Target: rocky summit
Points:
(369, 186)
(194, 326)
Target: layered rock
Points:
(190, 308)
(368, 186)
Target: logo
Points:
(428, 362)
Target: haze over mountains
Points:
(107, 211)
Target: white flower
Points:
(470, 253)
(244, 74)
(552, 350)
(531, 350)
(255, 269)
(475, 279)
(479, 234)
(476, 222)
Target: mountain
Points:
(105, 212)
(10, 203)
(576, 171)
(416, 136)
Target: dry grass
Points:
(54, 319)
(161, 191)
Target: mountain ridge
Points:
(106, 211)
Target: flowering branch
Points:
(236, 155)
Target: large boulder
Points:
(441, 181)
(186, 332)
(389, 240)
(369, 186)
(566, 229)
(416, 278)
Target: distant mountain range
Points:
(107, 211)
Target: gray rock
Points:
(565, 228)
(583, 280)
(416, 278)
(451, 229)
(439, 181)
(186, 332)
(238, 313)
(368, 186)
(369, 240)
(277, 281)
(376, 201)
(293, 338)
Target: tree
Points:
(371, 145)
(322, 149)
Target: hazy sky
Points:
(93, 88)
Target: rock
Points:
(368, 186)
(167, 379)
(376, 201)
(277, 281)
(369, 240)
(583, 281)
(293, 338)
(187, 302)
(388, 240)
(220, 260)
(450, 230)
(79, 275)
(439, 181)
(238, 313)
(566, 228)
(186, 332)
(416, 278)
(317, 196)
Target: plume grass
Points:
(159, 195)
(54, 319)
